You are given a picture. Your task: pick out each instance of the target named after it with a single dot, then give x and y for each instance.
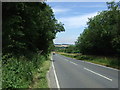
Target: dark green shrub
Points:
(18, 73)
(83, 57)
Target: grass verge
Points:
(23, 72)
(39, 78)
(113, 62)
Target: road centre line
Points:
(98, 74)
(98, 65)
(91, 70)
(73, 63)
(66, 60)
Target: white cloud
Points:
(76, 21)
(92, 6)
(60, 10)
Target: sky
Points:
(74, 16)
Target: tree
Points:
(102, 36)
(28, 28)
(71, 49)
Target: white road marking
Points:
(73, 63)
(97, 65)
(98, 74)
(70, 61)
(101, 65)
(58, 86)
(66, 59)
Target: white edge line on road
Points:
(101, 66)
(98, 74)
(58, 86)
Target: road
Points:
(71, 73)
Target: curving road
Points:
(71, 73)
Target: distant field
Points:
(113, 62)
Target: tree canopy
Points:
(28, 27)
(102, 36)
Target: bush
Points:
(114, 62)
(18, 73)
(84, 57)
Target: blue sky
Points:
(74, 16)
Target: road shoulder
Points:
(51, 77)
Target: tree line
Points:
(102, 35)
(28, 28)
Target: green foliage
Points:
(18, 73)
(28, 32)
(28, 27)
(59, 49)
(39, 78)
(84, 57)
(71, 49)
(102, 36)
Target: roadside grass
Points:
(39, 78)
(113, 62)
(22, 72)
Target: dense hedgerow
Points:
(18, 73)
